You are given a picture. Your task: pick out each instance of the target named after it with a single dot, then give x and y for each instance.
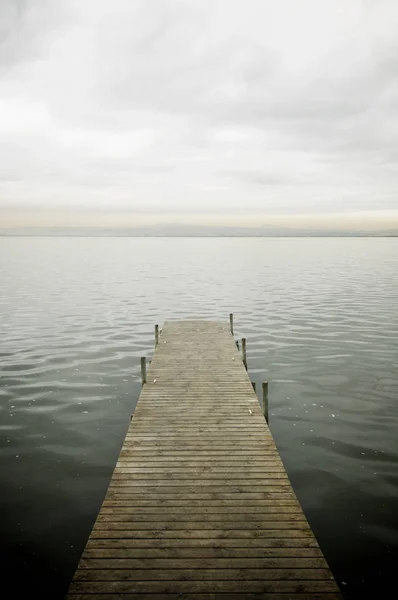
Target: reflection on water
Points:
(321, 321)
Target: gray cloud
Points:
(168, 105)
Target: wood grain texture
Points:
(199, 505)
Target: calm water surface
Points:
(321, 320)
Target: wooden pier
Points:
(199, 506)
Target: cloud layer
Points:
(218, 106)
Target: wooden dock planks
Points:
(199, 505)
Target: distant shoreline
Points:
(187, 230)
(198, 236)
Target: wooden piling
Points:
(231, 322)
(244, 355)
(143, 369)
(156, 335)
(265, 400)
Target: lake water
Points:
(321, 320)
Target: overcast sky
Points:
(228, 109)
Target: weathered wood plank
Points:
(214, 533)
(209, 544)
(212, 465)
(138, 517)
(211, 586)
(172, 490)
(195, 575)
(199, 492)
(201, 441)
(145, 512)
(207, 596)
(247, 499)
(215, 483)
(197, 525)
(149, 505)
(208, 553)
(212, 563)
(200, 454)
(200, 475)
(199, 504)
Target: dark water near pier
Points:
(321, 320)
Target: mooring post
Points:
(244, 356)
(156, 335)
(231, 322)
(254, 386)
(265, 400)
(143, 369)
